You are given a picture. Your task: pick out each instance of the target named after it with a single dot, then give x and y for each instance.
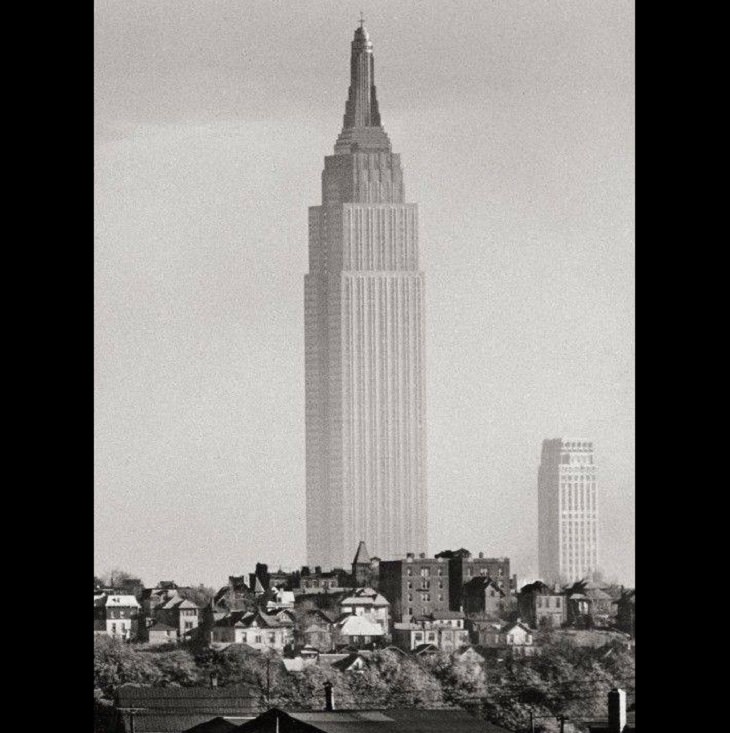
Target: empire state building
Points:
(364, 344)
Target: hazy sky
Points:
(515, 123)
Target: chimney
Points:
(329, 698)
(422, 555)
(409, 556)
(317, 569)
(213, 679)
(616, 710)
(481, 555)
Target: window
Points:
(257, 639)
(409, 584)
(409, 571)
(410, 611)
(425, 572)
(272, 637)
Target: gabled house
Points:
(282, 599)
(180, 613)
(367, 602)
(444, 629)
(116, 616)
(516, 638)
(354, 662)
(626, 612)
(236, 596)
(357, 631)
(254, 628)
(589, 605)
(315, 629)
(160, 633)
(542, 606)
(483, 595)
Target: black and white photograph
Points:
(364, 366)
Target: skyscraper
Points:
(364, 344)
(567, 510)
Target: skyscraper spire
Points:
(361, 126)
(364, 346)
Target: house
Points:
(357, 631)
(160, 633)
(625, 612)
(315, 629)
(354, 662)
(367, 602)
(369, 721)
(180, 613)
(416, 586)
(516, 638)
(483, 595)
(444, 629)
(589, 605)
(541, 606)
(236, 596)
(158, 709)
(282, 599)
(463, 567)
(116, 616)
(254, 628)
(319, 581)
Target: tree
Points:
(116, 663)
(462, 552)
(201, 594)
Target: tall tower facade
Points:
(567, 510)
(364, 344)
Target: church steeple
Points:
(361, 126)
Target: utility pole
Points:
(532, 722)
(561, 718)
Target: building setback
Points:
(567, 511)
(364, 344)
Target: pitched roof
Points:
(345, 664)
(370, 721)
(425, 649)
(179, 602)
(117, 601)
(517, 624)
(174, 709)
(353, 625)
(215, 725)
(362, 556)
(365, 597)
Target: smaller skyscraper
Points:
(567, 510)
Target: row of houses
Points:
(448, 600)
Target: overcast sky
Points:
(515, 123)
